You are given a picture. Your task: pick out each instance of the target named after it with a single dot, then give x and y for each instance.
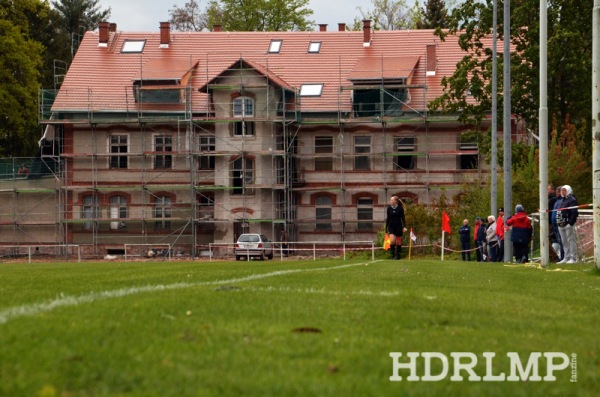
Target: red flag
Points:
(446, 223)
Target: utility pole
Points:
(507, 164)
(596, 127)
(543, 131)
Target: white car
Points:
(253, 245)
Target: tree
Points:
(569, 63)
(78, 16)
(433, 15)
(20, 63)
(189, 18)
(244, 15)
(389, 15)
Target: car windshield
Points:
(249, 238)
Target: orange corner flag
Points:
(446, 223)
(386, 242)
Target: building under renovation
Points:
(186, 139)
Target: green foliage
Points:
(20, 63)
(569, 63)
(433, 15)
(260, 15)
(388, 15)
(189, 18)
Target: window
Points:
(405, 153)
(362, 147)
(162, 213)
(323, 213)
(118, 144)
(243, 175)
(163, 145)
(243, 128)
(364, 212)
(314, 47)
(206, 144)
(133, 46)
(243, 106)
(275, 46)
(323, 153)
(311, 89)
(118, 210)
(379, 102)
(89, 212)
(468, 161)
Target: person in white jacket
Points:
(492, 239)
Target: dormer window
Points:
(243, 107)
(157, 91)
(275, 46)
(311, 89)
(314, 47)
(133, 46)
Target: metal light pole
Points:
(596, 127)
(507, 164)
(543, 131)
(494, 180)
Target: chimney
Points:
(341, 27)
(165, 34)
(103, 34)
(431, 60)
(322, 27)
(217, 28)
(366, 32)
(112, 27)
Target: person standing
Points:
(521, 234)
(566, 217)
(479, 236)
(500, 234)
(395, 225)
(492, 239)
(465, 240)
(558, 248)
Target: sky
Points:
(146, 15)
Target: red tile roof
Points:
(100, 78)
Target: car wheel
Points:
(238, 258)
(270, 256)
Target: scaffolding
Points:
(255, 158)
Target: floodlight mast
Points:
(596, 127)
(543, 135)
(507, 163)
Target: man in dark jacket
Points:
(465, 240)
(521, 234)
(566, 217)
(479, 237)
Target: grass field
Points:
(292, 328)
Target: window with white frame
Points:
(364, 214)
(362, 148)
(89, 212)
(323, 153)
(243, 106)
(118, 146)
(405, 157)
(323, 213)
(118, 212)
(162, 213)
(206, 143)
(163, 146)
(242, 170)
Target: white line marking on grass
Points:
(322, 291)
(63, 301)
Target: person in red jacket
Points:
(500, 234)
(521, 234)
